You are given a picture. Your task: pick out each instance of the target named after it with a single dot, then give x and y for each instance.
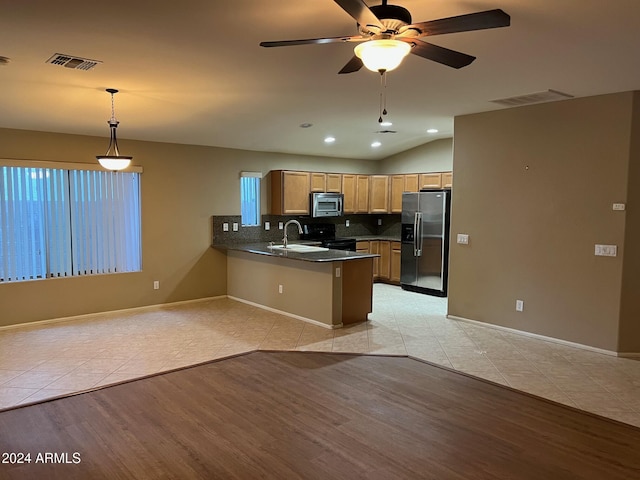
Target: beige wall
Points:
(435, 156)
(534, 188)
(182, 187)
(629, 335)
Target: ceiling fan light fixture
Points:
(112, 160)
(382, 55)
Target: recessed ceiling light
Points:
(329, 140)
(376, 144)
(306, 125)
(386, 124)
(432, 130)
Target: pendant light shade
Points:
(382, 55)
(112, 160)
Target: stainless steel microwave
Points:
(327, 204)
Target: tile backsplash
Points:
(359, 225)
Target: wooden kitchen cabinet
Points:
(385, 260)
(374, 247)
(362, 246)
(362, 194)
(397, 189)
(447, 179)
(349, 189)
(394, 269)
(412, 182)
(430, 180)
(334, 183)
(290, 192)
(318, 182)
(379, 194)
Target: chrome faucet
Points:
(285, 241)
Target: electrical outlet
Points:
(519, 305)
(379, 221)
(337, 272)
(235, 227)
(267, 225)
(156, 285)
(280, 225)
(225, 227)
(280, 289)
(346, 223)
(618, 206)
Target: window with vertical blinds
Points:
(60, 223)
(250, 198)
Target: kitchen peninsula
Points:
(326, 287)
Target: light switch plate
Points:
(235, 227)
(606, 250)
(618, 206)
(225, 227)
(280, 225)
(267, 225)
(463, 239)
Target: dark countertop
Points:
(324, 256)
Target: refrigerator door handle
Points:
(417, 235)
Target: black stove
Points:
(325, 233)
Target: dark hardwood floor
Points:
(290, 415)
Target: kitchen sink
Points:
(298, 248)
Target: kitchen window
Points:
(67, 222)
(250, 198)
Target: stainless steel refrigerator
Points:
(425, 241)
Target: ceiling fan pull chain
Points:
(384, 89)
(381, 96)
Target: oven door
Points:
(340, 244)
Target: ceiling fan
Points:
(389, 27)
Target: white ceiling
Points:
(192, 71)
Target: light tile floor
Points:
(39, 362)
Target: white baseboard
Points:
(110, 312)
(286, 314)
(547, 339)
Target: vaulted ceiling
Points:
(193, 72)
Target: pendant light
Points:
(112, 160)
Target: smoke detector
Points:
(71, 61)
(528, 99)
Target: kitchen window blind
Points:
(60, 223)
(250, 198)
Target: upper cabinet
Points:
(379, 194)
(318, 182)
(430, 180)
(362, 193)
(447, 179)
(290, 192)
(349, 191)
(334, 183)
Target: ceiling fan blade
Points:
(442, 55)
(362, 14)
(352, 65)
(309, 41)
(463, 23)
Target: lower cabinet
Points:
(394, 275)
(386, 267)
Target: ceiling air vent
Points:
(538, 97)
(386, 131)
(70, 61)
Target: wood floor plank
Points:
(316, 416)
